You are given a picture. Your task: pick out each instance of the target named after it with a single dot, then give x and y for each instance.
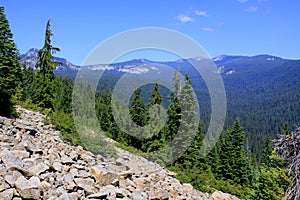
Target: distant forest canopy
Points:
(263, 91)
(264, 95)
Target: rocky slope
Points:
(36, 164)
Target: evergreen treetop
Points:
(10, 70)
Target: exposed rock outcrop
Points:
(36, 164)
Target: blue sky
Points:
(233, 27)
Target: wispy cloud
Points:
(251, 9)
(220, 23)
(184, 18)
(207, 29)
(243, 1)
(201, 13)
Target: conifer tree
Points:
(189, 121)
(45, 83)
(235, 164)
(156, 139)
(139, 116)
(267, 151)
(28, 78)
(192, 154)
(138, 109)
(174, 111)
(10, 70)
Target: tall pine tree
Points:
(10, 70)
(45, 83)
(189, 119)
(233, 157)
(174, 111)
(156, 139)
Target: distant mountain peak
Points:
(31, 56)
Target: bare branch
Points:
(288, 147)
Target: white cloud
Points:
(220, 23)
(243, 1)
(207, 29)
(251, 9)
(201, 13)
(184, 18)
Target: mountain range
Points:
(227, 65)
(263, 90)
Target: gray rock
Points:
(86, 184)
(7, 194)
(69, 182)
(66, 160)
(10, 159)
(99, 195)
(37, 169)
(57, 166)
(69, 196)
(3, 187)
(10, 180)
(28, 189)
(29, 148)
(102, 176)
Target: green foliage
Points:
(235, 164)
(10, 70)
(27, 85)
(270, 184)
(156, 140)
(174, 109)
(138, 111)
(267, 151)
(65, 123)
(63, 97)
(44, 83)
(187, 129)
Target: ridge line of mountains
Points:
(139, 66)
(263, 90)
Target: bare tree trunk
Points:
(288, 147)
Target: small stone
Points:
(10, 160)
(122, 193)
(73, 172)
(83, 174)
(102, 176)
(86, 184)
(69, 182)
(100, 195)
(218, 195)
(2, 187)
(68, 196)
(171, 173)
(10, 180)
(187, 187)
(78, 166)
(57, 166)
(7, 194)
(73, 155)
(65, 168)
(66, 160)
(38, 169)
(45, 185)
(32, 148)
(28, 189)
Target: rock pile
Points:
(36, 164)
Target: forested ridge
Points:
(232, 166)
